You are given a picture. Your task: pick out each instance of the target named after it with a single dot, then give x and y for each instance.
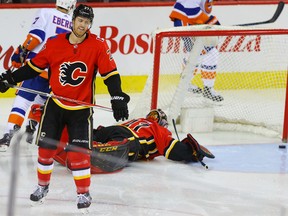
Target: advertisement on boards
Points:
(128, 30)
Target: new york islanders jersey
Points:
(193, 12)
(47, 23)
(73, 67)
(154, 139)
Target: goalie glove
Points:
(198, 151)
(19, 56)
(119, 106)
(6, 78)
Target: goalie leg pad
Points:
(110, 157)
(117, 132)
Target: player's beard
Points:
(79, 35)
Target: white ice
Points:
(249, 176)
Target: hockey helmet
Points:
(206, 6)
(159, 116)
(84, 11)
(66, 4)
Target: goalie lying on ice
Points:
(137, 139)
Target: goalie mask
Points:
(159, 116)
(67, 4)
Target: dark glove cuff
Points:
(9, 77)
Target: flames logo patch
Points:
(72, 74)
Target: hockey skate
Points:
(30, 129)
(38, 196)
(211, 94)
(195, 90)
(83, 202)
(5, 141)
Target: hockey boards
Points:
(277, 13)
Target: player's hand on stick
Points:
(119, 106)
(6, 78)
(19, 56)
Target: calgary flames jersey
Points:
(73, 67)
(154, 139)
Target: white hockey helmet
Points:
(66, 4)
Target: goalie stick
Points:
(175, 129)
(58, 97)
(277, 13)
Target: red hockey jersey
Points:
(73, 67)
(155, 140)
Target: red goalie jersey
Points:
(154, 139)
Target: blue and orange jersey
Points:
(47, 23)
(193, 12)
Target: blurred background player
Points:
(73, 59)
(137, 139)
(47, 22)
(197, 12)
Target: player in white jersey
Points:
(47, 23)
(197, 12)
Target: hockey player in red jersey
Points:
(137, 139)
(198, 12)
(47, 23)
(73, 60)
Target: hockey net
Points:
(251, 76)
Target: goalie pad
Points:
(198, 151)
(109, 157)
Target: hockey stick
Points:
(58, 97)
(277, 13)
(175, 129)
(14, 175)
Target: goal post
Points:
(250, 74)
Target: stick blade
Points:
(277, 13)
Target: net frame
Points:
(239, 31)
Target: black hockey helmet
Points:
(83, 11)
(159, 116)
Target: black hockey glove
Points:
(3, 87)
(5, 78)
(119, 106)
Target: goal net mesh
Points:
(244, 71)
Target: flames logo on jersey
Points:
(72, 74)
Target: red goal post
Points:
(251, 76)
